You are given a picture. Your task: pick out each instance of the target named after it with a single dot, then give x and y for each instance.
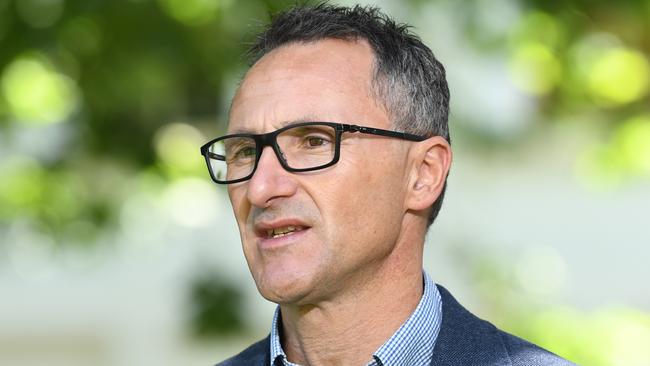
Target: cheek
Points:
(375, 180)
(237, 201)
(241, 209)
(367, 199)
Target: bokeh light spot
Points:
(542, 271)
(21, 187)
(626, 155)
(35, 93)
(630, 343)
(539, 27)
(633, 143)
(177, 146)
(619, 76)
(192, 202)
(535, 69)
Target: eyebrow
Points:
(306, 118)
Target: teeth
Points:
(282, 231)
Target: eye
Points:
(239, 149)
(314, 138)
(314, 141)
(241, 154)
(245, 152)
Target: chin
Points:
(287, 289)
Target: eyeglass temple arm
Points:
(379, 131)
(214, 156)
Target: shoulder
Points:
(465, 339)
(524, 353)
(256, 354)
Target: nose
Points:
(270, 181)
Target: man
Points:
(336, 161)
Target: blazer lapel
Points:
(464, 339)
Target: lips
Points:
(279, 230)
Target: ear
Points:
(431, 160)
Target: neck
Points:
(348, 329)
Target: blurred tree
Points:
(91, 85)
(88, 86)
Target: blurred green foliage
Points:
(94, 92)
(217, 307)
(100, 99)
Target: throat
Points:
(349, 329)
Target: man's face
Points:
(343, 220)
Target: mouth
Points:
(279, 232)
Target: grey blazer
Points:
(463, 340)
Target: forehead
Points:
(328, 80)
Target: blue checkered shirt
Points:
(412, 344)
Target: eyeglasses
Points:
(299, 147)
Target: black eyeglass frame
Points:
(270, 139)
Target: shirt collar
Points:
(411, 344)
(276, 347)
